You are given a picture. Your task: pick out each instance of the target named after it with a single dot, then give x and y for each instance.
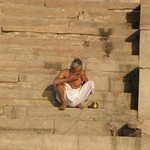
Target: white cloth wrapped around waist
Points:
(76, 96)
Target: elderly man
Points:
(72, 85)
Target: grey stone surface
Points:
(66, 142)
(83, 4)
(144, 49)
(26, 2)
(145, 2)
(144, 21)
(37, 42)
(144, 104)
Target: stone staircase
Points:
(38, 39)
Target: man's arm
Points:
(84, 77)
(61, 78)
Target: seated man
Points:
(72, 85)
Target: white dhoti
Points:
(76, 96)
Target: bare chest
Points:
(75, 84)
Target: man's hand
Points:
(84, 77)
(74, 77)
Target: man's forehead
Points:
(77, 68)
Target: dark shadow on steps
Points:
(50, 93)
(131, 85)
(134, 39)
(133, 17)
(125, 130)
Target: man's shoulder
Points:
(64, 72)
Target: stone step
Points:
(105, 67)
(103, 98)
(38, 11)
(141, 125)
(85, 13)
(145, 2)
(110, 16)
(102, 83)
(26, 21)
(99, 4)
(86, 46)
(106, 100)
(52, 42)
(144, 21)
(97, 15)
(117, 113)
(48, 60)
(41, 84)
(58, 126)
(109, 4)
(25, 2)
(45, 42)
(67, 30)
(34, 141)
(77, 41)
(63, 126)
(82, 18)
(41, 81)
(50, 66)
(128, 35)
(49, 55)
(45, 77)
(116, 70)
(29, 75)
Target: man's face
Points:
(77, 70)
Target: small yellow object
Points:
(94, 105)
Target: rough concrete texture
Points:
(66, 142)
(38, 39)
(144, 105)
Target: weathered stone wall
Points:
(38, 38)
(144, 92)
(63, 142)
(38, 41)
(47, 2)
(144, 82)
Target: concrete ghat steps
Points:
(69, 13)
(78, 3)
(122, 99)
(21, 18)
(83, 3)
(84, 30)
(58, 126)
(44, 119)
(87, 114)
(50, 65)
(65, 43)
(87, 16)
(65, 30)
(17, 58)
(36, 95)
(29, 116)
(49, 48)
(34, 141)
(62, 126)
(120, 70)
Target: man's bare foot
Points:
(79, 106)
(62, 107)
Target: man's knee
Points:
(59, 87)
(91, 83)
